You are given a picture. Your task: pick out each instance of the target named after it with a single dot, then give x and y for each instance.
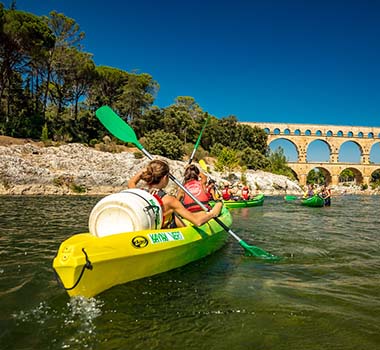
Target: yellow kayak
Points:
(87, 265)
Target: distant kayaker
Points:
(196, 183)
(245, 193)
(309, 191)
(212, 190)
(326, 195)
(156, 176)
(227, 192)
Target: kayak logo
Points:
(139, 242)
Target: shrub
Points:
(138, 155)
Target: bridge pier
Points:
(365, 158)
(334, 157)
(302, 179)
(334, 180)
(366, 180)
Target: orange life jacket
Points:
(245, 194)
(226, 194)
(196, 189)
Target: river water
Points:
(323, 294)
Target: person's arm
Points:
(133, 181)
(180, 194)
(203, 179)
(196, 218)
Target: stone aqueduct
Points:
(301, 135)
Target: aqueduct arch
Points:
(301, 135)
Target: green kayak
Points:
(314, 201)
(253, 202)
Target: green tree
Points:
(107, 87)
(315, 176)
(227, 160)
(137, 96)
(163, 144)
(346, 175)
(24, 39)
(253, 159)
(67, 34)
(278, 164)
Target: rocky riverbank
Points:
(30, 168)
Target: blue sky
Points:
(270, 60)
(295, 61)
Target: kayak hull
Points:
(87, 265)
(253, 202)
(315, 202)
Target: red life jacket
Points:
(226, 194)
(195, 188)
(245, 194)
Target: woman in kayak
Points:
(156, 176)
(227, 192)
(245, 193)
(212, 190)
(196, 183)
(326, 195)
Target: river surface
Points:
(323, 294)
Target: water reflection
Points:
(322, 295)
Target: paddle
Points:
(120, 129)
(291, 198)
(199, 139)
(203, 165)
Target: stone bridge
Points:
(301, 135)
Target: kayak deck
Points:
(88, 265)
(314, 201)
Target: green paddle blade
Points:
(258, 252)
(290, 198)
(117, 126)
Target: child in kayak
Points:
(196, 183)
(156, 176)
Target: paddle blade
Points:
(203, 165)
(258, 252)
(117, 126)
(290, 198)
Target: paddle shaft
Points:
(120, 129)
(195, 199)
(198, 140)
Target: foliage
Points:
(315, 176)
(138, 155)
(216, 149)
(278, 164)
(346, 175)
(227, 160)
(163, 144)
(44, 133)
(253, 159)
(50, 88)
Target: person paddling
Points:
(156, 176)
(326, 195)
(245, 193)
(196, 183)
(226, 192)
(212, 190)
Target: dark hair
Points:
(155, 171)
(191, 173)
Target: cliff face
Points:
(28, 168)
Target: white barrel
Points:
(127, 211)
